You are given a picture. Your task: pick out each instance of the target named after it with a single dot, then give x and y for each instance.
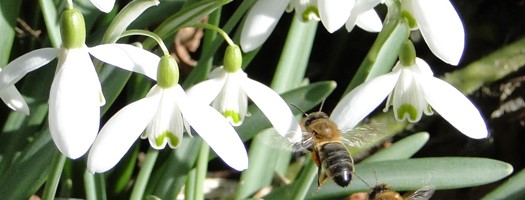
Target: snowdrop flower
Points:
(13, 99)
(440, 26)
(264, 14)
(104, 5)
(364, 15)
(411, 89)
(228, 90)
(76, 96)
(163, 114)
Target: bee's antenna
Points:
(299, 109)
(366, 183)
(322, 104)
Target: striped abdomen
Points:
(337, 162)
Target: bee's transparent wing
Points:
(423, 193)
(362, 134)
(286, 143)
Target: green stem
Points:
(94, 186)
(216, 29)
(305, 180)
(148, 34)
(189, 190)
(54, 176)
(202, 168)
(144, 174)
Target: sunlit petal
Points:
(357, 104)
(166, 127)
(207, 91)
(454, 107)
(334, 13)
(14, 100)
(74, 104)
(120, 132)
(441, 28)
(215, 130)
(370, 21)
(364, 16)
(231, 100)
(272, 105)
(128, 57)
(104, 5)
(260, 22)
(28, 62)
(407, 100)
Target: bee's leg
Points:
(321, 177)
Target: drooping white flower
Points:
(440, 26)
(411, 91)
(163, 114)
(264, 15)
(13, 99)
(364, 15)
(228, 90)
(104, 5)
(76, 96)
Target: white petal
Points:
(441, 28)
(232, 101)
(120, 132)
(215, 130)
(104, 5)
(167, 120)
(127, 57)
(260, 22)
(74, 104)
(28, 62)
(14, 100)
(362, 100)
(454, 107)
(370, 21)
(207, 91)
(272, 105)
(334, 13)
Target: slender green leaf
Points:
(510, 189)
(8, 14)
(402, 149)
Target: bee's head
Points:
(314, 116)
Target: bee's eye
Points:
(314, 132)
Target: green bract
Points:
(232, 58)
(168, 73)
(72, 29)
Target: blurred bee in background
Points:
(384, 192)
(326, 143)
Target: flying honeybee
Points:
(327, 145)
(384, 192)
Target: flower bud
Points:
(407, 53)
(72, 29)
(232, 58)
(168, 72)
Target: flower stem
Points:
(202, 168)
(54, 176)
(94, 186)
(144, 174)
(304, 180)
(148, 34)
(216, 29)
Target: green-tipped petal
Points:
(26, 63)
(74, 104)
(104, 5)
(273, 107)
(260, 22)
(454, 107)
(120, 132)
(357, 104)
(334, 13)
(232, 99)
(441, 28)
(167, 126)
(215, 130)
(127, 57)
(14, 100)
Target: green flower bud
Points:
(168, 72)
(232, 58)
(72, 29)
(407, 53)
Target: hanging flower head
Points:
(228, 90)
(263, 16)
(412, 90)
(440, 26)
(163, 115)
(104, 5)
(76, 96)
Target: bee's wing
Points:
(423, 193)
(362, 134)
(285, 143)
